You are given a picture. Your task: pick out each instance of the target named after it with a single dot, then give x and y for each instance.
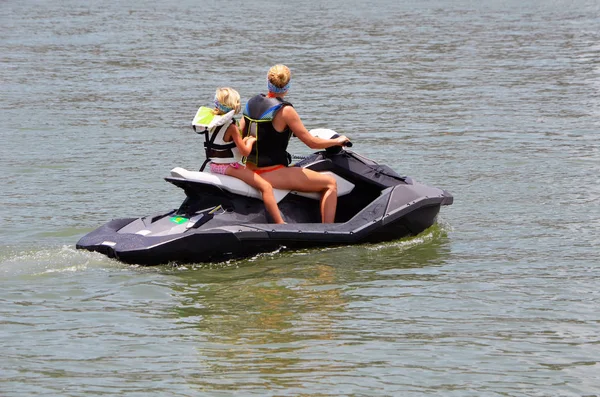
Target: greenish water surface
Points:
(497, 102)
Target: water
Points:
(498, 102)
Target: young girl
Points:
(227, 100)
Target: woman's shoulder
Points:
(288, 111)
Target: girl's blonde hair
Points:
(279, 75)
(227, 97)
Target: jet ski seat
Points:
(237, 186)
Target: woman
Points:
(273, 121)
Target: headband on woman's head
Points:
(278, 90)
(221, 107)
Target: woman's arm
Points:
(243, 145)
(292, 119)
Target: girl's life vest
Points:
(213, 127)
(271, 145)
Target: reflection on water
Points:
(270, 316)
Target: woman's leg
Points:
(305, 180)
(261, 184)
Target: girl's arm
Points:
(243, 145)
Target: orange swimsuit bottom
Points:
(277, 167)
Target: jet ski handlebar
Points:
(326, 133)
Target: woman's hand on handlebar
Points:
(342, 140)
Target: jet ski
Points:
(223, 218)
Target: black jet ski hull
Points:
(387, 218)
